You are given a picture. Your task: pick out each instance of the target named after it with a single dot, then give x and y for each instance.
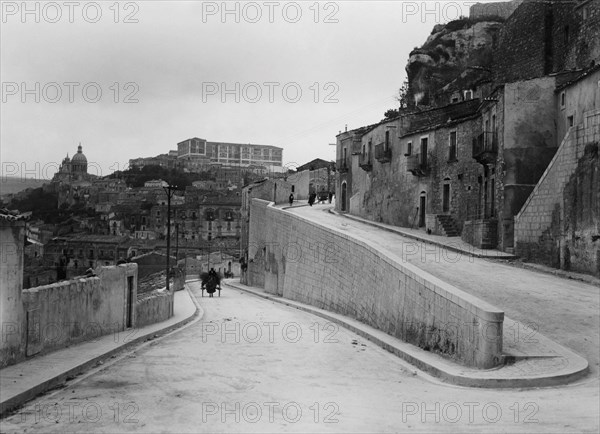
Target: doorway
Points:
(446, 197)
(343, 204)
(422, 203)
(129, 313)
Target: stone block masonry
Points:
(306, 262)
(559, 225)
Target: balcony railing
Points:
(366, 162)
(417, 165)
(342, 165)
(383, 154)
(485, 147)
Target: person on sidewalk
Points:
(291, 198)
(311, 198)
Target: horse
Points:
(211, 281)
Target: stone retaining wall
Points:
(304, 261)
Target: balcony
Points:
(485, 147)
(383, 154)
(365, 162)
(417, 165)
(342, 165)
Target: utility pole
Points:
(170, 191)
(176, 242)
(210, 217)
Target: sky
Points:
(132, 79)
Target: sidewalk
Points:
(24, 381)
(455, 244)
(534, 362)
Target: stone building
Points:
(315, 176)
(414, 170)
(73, 169)
(476, 162)
(559, 224)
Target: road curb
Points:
(13, 403)
(424, 240)
(389, 344)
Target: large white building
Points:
(198, 154)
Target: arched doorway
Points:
(446, 196)
(343, 204)
(422, 206)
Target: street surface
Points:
(252, 365)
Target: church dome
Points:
(79, 157)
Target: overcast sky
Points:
(168, 71)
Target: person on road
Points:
(311, 198)
(291, 198)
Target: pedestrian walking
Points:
(330, 196)
(291, 198)
(311, 198)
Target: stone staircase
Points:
(448, 225)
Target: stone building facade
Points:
(559, 224)
(481, 166)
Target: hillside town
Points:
(443, 266)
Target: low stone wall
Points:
(481, 233)
(65, 313)
(326, 268)
(153, 307)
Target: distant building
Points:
(167, 161)
(197, 155)
(73, 169)
(155, 183)
(313, 177)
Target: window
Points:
(228, 226)
(210, 225)
(468, 95)
(387, 140)
(452, 150)
(562, 100)
(294, 187)
(570, 121)
(424, 142)
(408, 149)
(454, 100)
(566, 34)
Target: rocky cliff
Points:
(456, 56)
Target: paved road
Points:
(567, 311)
(251, 365)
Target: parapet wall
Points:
(303, 261)
(153, 307)
(65, 313)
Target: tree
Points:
(403, 94)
